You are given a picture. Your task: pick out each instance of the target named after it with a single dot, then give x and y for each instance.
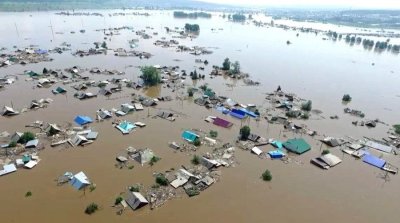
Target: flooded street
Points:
(313, 68)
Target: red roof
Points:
(223, 123)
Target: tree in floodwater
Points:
(150, 75)
(226, 65)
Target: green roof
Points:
(298, 146)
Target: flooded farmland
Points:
(312, 68)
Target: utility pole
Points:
(16, 28)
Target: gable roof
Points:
(298, 146)
(222, 122)
(374, 161)
(237, 113)
(82, 120)
(330, 159)
(189, 136)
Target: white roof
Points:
(331, 159)
(140, 124)
(31, 164)
(138, 106)
(82, 178)
(256, 150)
(8, 169)
(140, 197)
(380, 147)
(180, 181)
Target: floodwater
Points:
(319, 70)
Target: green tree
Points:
(12, 144)
(161, 180)
(118, 200)
(150, 75)
(104, 45)
(307, 106)
(213, 134)
(197, 142)
(226, 65)
(266, 176)
(91, 208)
(325, 151)
(192, 27)
(245, 132)
(26, 137)
(195, 160)
(346, 98)
(236, 67)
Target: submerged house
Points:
(127, 108)
(326, 161)
(125, 127)
(32, 144)
(143, 156)
(52, 129)
(182, 177)
(189, 136)
(10, 168)
(331, 141)
(166, 115)
(85, 95)
(380, 147)
(79, 140)
(7, 111)
(298, 146)
(104, 114)
(16, 136)
(276, 154)
(59, 90)
(222, 122)
(374, 161)
(136, 200)
(237, 113)
(138, 106)
(80, 180)
(82, 120)
(105, 92)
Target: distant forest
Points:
(41, 5)
(360, 18)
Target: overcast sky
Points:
(387, 4)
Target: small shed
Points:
(7, 111)
(256, 151)
(276, 154)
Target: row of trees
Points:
(367, 43)
(193, 15)
(192, 27)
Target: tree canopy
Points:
(192, 27)
(193, 15)
(238, 17)
(236, 67)
(226, 65)
(244, 132)
(150, 75)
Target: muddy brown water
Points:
(299, 192)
